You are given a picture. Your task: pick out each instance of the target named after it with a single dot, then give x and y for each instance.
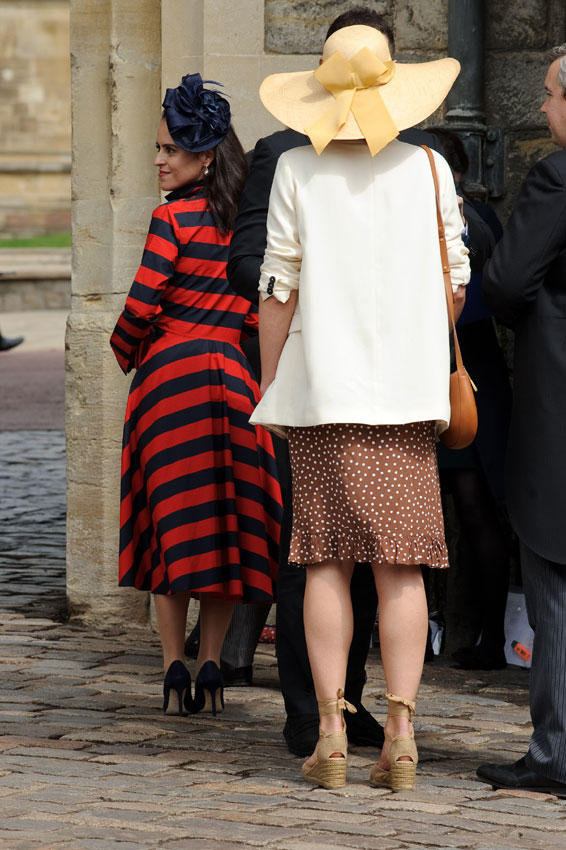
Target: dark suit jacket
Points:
(525, 285)
(250, 232)
(484, 361)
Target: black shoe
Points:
(208, 684)
(236, 677)
(480, 658)
(519, 776)
(177, 679)
(363, 729)
(301, 734)
(6, 343)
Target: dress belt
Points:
(187, 330)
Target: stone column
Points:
(124, 54)
(116, 81)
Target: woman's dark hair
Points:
(226, 176)
(362, 16)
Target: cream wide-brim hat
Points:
(416, 90)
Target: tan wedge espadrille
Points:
(330, 772)
(401, 773)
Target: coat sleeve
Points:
(281, 267)
(480, 240)
(533, 238)
(250, 230)
(143, 303)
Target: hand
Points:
(461, 208)
(459, 301)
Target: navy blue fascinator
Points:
(197, 118)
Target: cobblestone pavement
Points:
(32, 522)
(89, 761)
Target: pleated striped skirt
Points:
(200, 503)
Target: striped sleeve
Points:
(251, 322)
(143, 302)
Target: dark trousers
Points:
(544, 583)
(243, 634)
(292, 657)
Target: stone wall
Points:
(35, 117)
(517, 36)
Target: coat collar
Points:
(190, 190)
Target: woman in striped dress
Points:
(200, 503)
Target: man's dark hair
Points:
(452, 148)
(362, 16)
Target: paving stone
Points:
(25, 825)
(201, 844)
(23, 844)
(109, 844)
(93, 763)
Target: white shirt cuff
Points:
(269, 286)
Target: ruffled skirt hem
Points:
(311, 549)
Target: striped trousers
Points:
(544, 584)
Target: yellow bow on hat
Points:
(354, 85)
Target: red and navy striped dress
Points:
(200, 501)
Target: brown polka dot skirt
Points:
(366, 493)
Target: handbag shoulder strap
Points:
(444, 258)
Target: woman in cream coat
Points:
(355, 364)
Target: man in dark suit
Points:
(525, 284)
(246, 256)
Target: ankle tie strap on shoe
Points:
(399, 706)
(329, 769)
(336, 706)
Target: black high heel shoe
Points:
(207, 683)
(178, 679)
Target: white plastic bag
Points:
(518, 634)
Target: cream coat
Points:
(357, 237)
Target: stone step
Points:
(35, 263)
(35, 279)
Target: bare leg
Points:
(215, 616)
(172, 621)
(328, 631)
(403, 628)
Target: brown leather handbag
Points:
(463, 411)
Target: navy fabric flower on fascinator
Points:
(197, 118)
